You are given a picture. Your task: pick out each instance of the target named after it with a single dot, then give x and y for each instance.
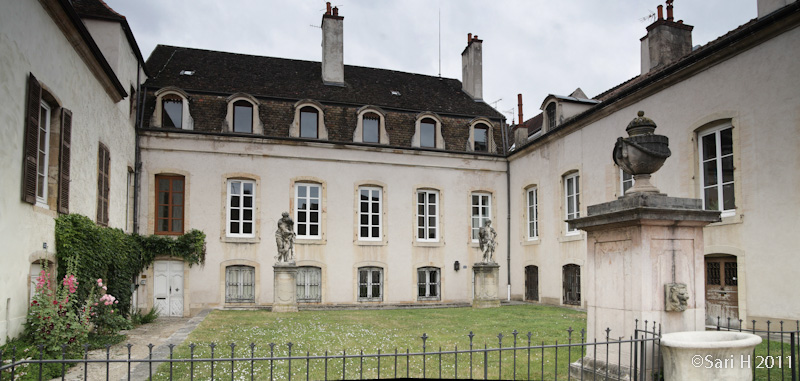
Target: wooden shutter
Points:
(31, 140)
(103, 161)
(64, 160)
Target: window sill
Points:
(426, 299)
(310, 241)
(44, 209)
(227, 239)
(534, 241)
(370, 243)
(427, 243)
(571, 237)
(370, 300)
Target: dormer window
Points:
(427, 131)
(172, 114)
(371, 129)
(550, 112)
(308, 123)
(243, 116)
(481, 138)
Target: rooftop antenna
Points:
(651, 15)
(494, 104)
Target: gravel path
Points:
(161, 333)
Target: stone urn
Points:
(641, 153)
(709, 355)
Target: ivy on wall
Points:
(116, 257)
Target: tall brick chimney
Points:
(332, 47)
(472, 68)
(666, 41)
(521, 131)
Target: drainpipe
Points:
(138, 158)
(508, 226)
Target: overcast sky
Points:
(532, 47)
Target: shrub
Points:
(106, 318)
(137, 318)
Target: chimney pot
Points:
(329, 8)
(519, 104)
(469, 38)
(335, 11)
(669, 10)
(660, 12)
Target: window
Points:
(43, 150)
(309, 280)
(369, 213)
(626, 180)
(243, 117)
(572, 284)
(169, 204)
(103, 162)
(716, 170)
(371, 128)
(172, 114)
(481, 138)
(370, 284)
(428, 283)
(241, 200)
(532, 283)
(428, 215)
(307, 213)
(550, 112)
(572, 199)
(481, 211)
(240, 284)
(427, 133)
(309, 123)
(533, 213)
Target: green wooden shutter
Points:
(31, 140)
(64, 160)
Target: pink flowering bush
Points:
(56, 316)
(104, 311)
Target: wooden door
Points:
(531, 283)
(168, 287)
(572, 284)
(722, 295)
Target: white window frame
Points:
(427, 216)
(370, 214)
(718, 164)
(307, 212)
(306, 280)
(42, 154)
(623, 181)
(572, 198)
(238, 272)
(484, 210)
(425, 282)
(532, 202)
(370, 282)
(241, 221)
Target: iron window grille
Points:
(370, 284)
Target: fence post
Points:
(791, 356)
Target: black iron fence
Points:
(778, 355)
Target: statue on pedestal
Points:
(486, 237)
(284, 237)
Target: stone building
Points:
(70, 72)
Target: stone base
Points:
(591, 369)
(487, 285)
(285, 287)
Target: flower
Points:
(100, 281)
(105, 288)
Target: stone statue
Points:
(486, 237)
(284, 237)
(676, 297)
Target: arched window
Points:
(240, 284)
(481, 138)
(309, 284)
(572, 284)
(532, 282)
(172, 114)
(243, 116)
(427, 133)
(309, 123)
(371, 128)
(428, 283)
(550, 113)
(370, 284)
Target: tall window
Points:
(169, 204)
(243, 116)
(572, 284)
(550, 112)
(371, 128)
(532, 282)
(307, 213)
(241, 200)
(309, 280)
(533, 213)
(370, 284)
(428, 283)
(716, 170)
(103, 162)
(240, 284)
(172, 111)
(626, 180)
(428, 215)
(572, 199)
(43, 144)
(427, 133)
(309, 122)
(369, 213)
(481, 211)
(481, 138)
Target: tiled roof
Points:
(95, 9)
(220, 72)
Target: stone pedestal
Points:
(635, 246)
(487, 285)
(285, 287)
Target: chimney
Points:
(332, 47)
(519, 107)
(472, 68)
(521, 131)
(666, 41)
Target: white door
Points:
(168, 288)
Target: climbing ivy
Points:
(116, 257)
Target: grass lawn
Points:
(315, 332)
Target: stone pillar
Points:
(637, 245)
(285, 288)
(487, 285)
